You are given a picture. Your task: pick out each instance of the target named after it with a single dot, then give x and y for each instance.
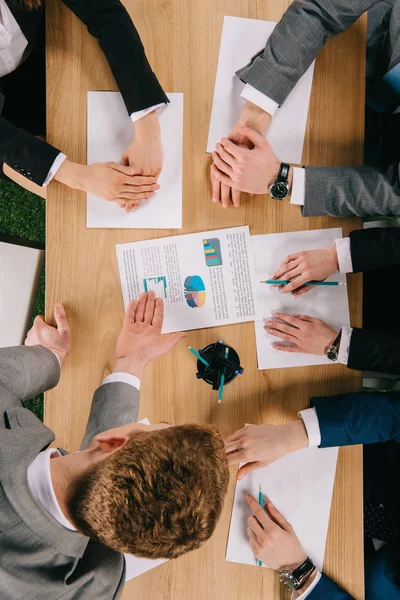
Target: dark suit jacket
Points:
(377, 350)
(367, 418)
(109, 22)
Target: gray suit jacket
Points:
(295, 42)
(40, 559)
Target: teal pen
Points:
(261, 503)
(286, 281)
(197, 355)
(221, 387)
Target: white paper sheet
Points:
(109, 132)
(241, 40)
(136, 565)
(327, 303)
(300, 485)
(205, 279)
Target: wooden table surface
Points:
(182, 40)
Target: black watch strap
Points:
(283, 173)
(306, 567)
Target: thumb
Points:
(124, 169)
(248, 468)
(60, 317)
(173, 340)
(277, 516)
(39, 321)
(256, 138)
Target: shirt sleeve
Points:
(256, 97)
(308, 590)
(54, 168)
(298, 186)
(123, 378)
(344, 347)
(139, 114)
(311, 423)
(344, 255)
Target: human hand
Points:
(56, 338)
(257, 120)
(140, 339)
(261, 445)
(305, 334)
(110, 181)
(272, 538)
(310, 265)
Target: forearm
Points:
(26, 372)
(295, 42)
(361, 418)
(374, 351)
(109, 22)
(351, 191)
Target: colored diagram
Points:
(212, 252)
(195, 291)
(157, 284)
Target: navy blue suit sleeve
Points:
(374, 351)
(327, 589)
(362, 418)
(377, 248)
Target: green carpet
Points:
(23, 214)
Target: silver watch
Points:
(332, 351)
(294, 580)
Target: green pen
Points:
(200, 358)
(221, 386)
(261, 503)
(286, 282)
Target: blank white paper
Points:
(300, 485)
(327, 303)
(136, 565)
(110, 130)
(241, 40)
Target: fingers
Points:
(225, 155)
(277, 516)
(285, 332)
(220, 176)
(304, 318)
(39, 320)
(263, 519)
(222, 165)
(225, 195)
(303, 290)
(129, 188)
(248, 468)
(235, 197)
(150, 307)
(140, 308)
(130, 313)
(232, 148)
(258, 140)
(158, 315)
(235, 436)
(294, 284)
(126, 170)
(291, 319)
(216, 189)
(285, 347)
(60, 317)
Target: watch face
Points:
(288, 580)
(279, 190)
(332, 354)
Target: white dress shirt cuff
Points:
(298, 186)
(308, 591)
(54, 168)
(252, 95)
(123, 378)
(343, 356)
(311, 423)
(344, 255)
(139, 114)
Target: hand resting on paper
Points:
(232, 155)
(110, 181)
(302, 333)
(261, 445)
(145, 153)
(140, 341)
(57, 339)
(310, 265)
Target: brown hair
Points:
(159, 496)
(32, 4)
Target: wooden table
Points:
(182, 40)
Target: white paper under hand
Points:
(109, 132)
(242, 39)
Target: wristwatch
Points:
(333, 350)
(280, 188)
(294, 580)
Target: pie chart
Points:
(195, 291)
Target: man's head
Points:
(153, 491)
